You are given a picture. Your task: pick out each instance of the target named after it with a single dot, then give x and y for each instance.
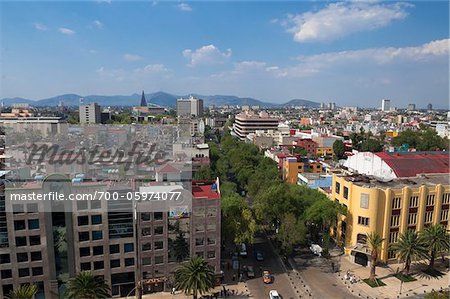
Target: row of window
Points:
(201, 212)
(20, 208)
(33, 240)
(414, 201)
(23, 272)
(147, 231)
(21, 224)
(201, 241)
(84, 220)
(148, 216)
(83, 205)
(96, 235)
(338, 190)
(412, 218)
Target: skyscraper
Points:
(385, 105)
(189, 107)
(430, 107)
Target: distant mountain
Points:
(158, 98)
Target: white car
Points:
(274, 295)
(316, 249)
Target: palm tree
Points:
(437, 239)
(408, 247)
(87, 286)
(374, 240)
(196, 276)
(26, 291)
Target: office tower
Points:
(189, 107)
(90, 113)
(430, 107)
(385, 105)
(411, 107)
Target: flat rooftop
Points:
(419, 180)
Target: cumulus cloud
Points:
(337, 20)
(39, 26)
(184, 7)
(131, 57)
(98, 24)
(209, 54)
(66, 31)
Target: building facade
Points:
(190, 107)
(90, 113)
(248, 122)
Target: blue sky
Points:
(351, 53)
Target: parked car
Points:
(267, 277)
(250, 272)
(273, 294)
(259, 256)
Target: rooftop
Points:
(419, 180)
(205, 189)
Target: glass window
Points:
(200, 254)
(129, 262)
(35, 240)
(395, 220)
(430, 200)
(146, 246)
(199, 241)
(82, 205)
(85, 251)
(83, 220)
(345, 192)
(158, 215)
(146, 261)
(85, 266)
(6, 273)
(159, 259)
(19, 224)
(96, 219)
(97, 250)
(364, 201)
(115, 263)
(33, 224)
(338, 187)
(96, 204)
(32, 208)
(22, 257)
(114, 248)
(128, 247)
(146, 216)
(396, 203)
(21, 241)
(211, 254)
(24, 272)
(37, 271)
(36, 256)
(99, 265)
(5, 258)
(211, 241)
(18, 208)
(413, 201)
(363, 221)
(211, 212)
(159, 245)
(83, 236)
(159, 230)
(412, 219)
(97, 235)
(147, 231)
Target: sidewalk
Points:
(424, 283)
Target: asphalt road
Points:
(271, 262)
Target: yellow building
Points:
(388, 208)
(324, 151)
(291, 169)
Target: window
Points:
(199, 228)
(199, 241)
(159, 259)
(147, 231)
(97, 235)
(36, 256)
(97, 250)
(446, 198)
(412, 219)
(33, 224)
(444, 215)
(364, 201)
(392, 254)
(128, 247)
(6, 274)
(19, 224)
(21, 241)
(146, 246)
(85, 266)
(413, 201)
(363, 221)
(396, 203)
(85, 251)
(158, 215)
(22, 257)
(146, 261)
(159, 230)
(212, 212)
(211, 254)
(83, 236)
(83, 220)
(96, 219)
(200, 254)
(199, 212)
(393, 236)
(159, 245)
(211, 241)
(18, 208)
(146, 216)
(5, 258)
(345, 192)
(114, 248)
(96, 204)
(82, 205)
(428, 217)
(35, 240)
(211, 227)
(24, 272)
(37, 271)
(115, 263)
(129, 262)
(430, 200)
(32, 208)
(395, 220)
(337, 187)
(99, 265)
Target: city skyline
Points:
(283, 51)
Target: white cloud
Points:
(98, 24)
(337, 20)
(184, 7)
(131, 57)
(148, 71)
(39, 26)
(66, 31)
(209, 54)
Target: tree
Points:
(87, 286)
(292, 232)
(339, 148)
(195, 277)
(371, 145)
(238, 222)
(204, 173)
(180, 247)
(409, 247)
(374, 240)
(437, 239)
(300, 150)
(26, 291)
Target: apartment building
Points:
(90, 113)
(389, 208)
(248, 122)
(46, 126)
(189, 107)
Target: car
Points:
(250, 272)
(316, 249)
(243, 251)
(259, 256)
(267, 277)
(273, 294)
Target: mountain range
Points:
(158, 98)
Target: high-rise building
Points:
(430, 107)
(385, 105)
(411, 107)
(189, 107)
(248, 122)
(90, 113)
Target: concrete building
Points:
(90, 113)
(411, 107)
(388, 208)
(248, 122)
(385, 105)
(190, 107)
(47, 126)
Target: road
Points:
(272, 263)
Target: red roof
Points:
(203, 189)
(410, 164)
(168, 169)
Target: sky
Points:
(353, 53)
